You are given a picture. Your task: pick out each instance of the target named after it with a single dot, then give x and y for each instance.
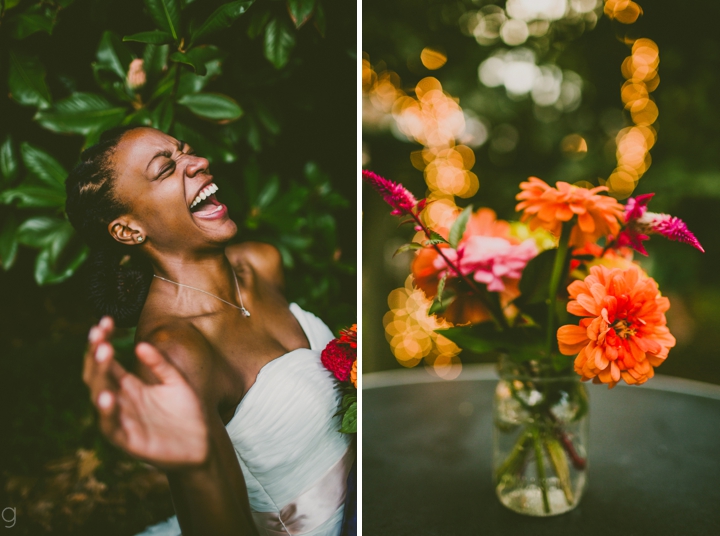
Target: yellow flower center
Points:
(623, 329)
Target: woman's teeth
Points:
(204, 194)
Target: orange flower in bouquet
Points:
(623, 333)
(543, 206)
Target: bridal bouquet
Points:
(340, 358)
(560, 299)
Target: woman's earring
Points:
(140, 238)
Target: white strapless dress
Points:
(286, 438)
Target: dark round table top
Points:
(654, 459)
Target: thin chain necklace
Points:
(242, 309)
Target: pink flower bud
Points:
(136, 74)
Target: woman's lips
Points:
(220, 211)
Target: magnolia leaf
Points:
(190, 82)
(154, 37)
(166, 14)
(269, 192)
(319, 19)
(212, 106)
(60, 260)
(26, 80)
(113, 56)
(279, 42)
(349, 421)
(300, 11)
(162, 115)
(407, 247)
(155, 60)
(25, 24)
(221, 18)
(81, 113)
(188, 59)
(258, 20)
(38, 231)
(43, 166)
(458, 227)
(8, 241)
(8, 160)
(33, 197)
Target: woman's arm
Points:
(171, 421)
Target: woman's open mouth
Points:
(206, 206)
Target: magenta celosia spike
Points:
(673, 228)
(637, 206)
(394, 194)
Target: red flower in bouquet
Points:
(639, 224)
(338, 358)
(349, 336)
(394, 194)
(547, 207)
(624, 333)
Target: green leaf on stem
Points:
(536, 278)
(8, 161)
(154, 37)
(8, 240)
(319, 19)
(166, 14)
(162, 115)
(81, 113)
(458, 227)
(43, 166)
(412, 246)
(26, 80)
(521, 343)
(113, 55)
(436, 238)
(221, 18)
(279, 42)
(349, 421)
(26, 196)
(300, 11)
(195, 64)
(33, 20)
(258, 20)
(213, 106)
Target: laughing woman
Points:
(229, 397)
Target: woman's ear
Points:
(124, 232)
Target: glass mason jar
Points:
(540, 434)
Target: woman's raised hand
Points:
(163, 423)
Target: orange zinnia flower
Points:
(548, 207)
(624, 334)
(353, 374)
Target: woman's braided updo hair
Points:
(120, 275)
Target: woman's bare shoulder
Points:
(186, 347)
(264, 259)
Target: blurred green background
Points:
(265, 90)
(521, 135)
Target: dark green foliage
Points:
(274, 116)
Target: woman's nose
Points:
(195, 165)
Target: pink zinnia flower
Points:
(489, 259)
(394, 194)
(639, 224)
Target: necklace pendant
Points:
(244, 311)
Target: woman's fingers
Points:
(156, 362)
(99, 378)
